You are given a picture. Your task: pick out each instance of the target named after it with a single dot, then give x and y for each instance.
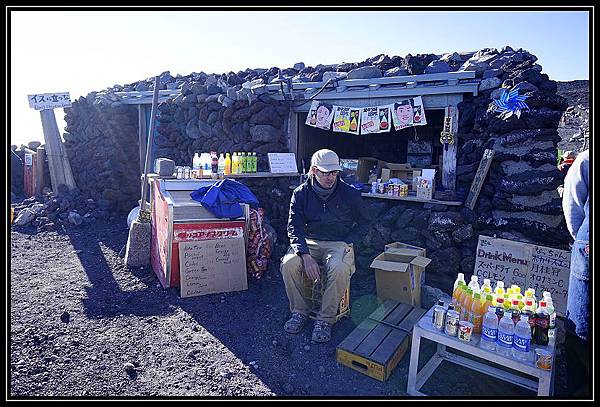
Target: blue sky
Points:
(84, 51)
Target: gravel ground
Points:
(84, 325)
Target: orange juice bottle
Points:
(477, 311)
(466, 305)
(456, 296)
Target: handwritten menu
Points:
(281, 163)
(212, 266)
(526, 265)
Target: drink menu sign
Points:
(526, 265)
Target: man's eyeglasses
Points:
(325, 174)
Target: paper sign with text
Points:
(280, 163)
(526, 265)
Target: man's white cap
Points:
(326, 160)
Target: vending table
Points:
(178, 219)
(543, 382)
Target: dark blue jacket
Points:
(332, 219)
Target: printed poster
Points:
(346, 119)
(320, 115)
(369, 120)
(408, 112)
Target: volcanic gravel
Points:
(83, 325)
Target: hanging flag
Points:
(403, 115)
(384, 118)
(320, 115)
(418, 112)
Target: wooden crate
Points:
(378, 344)
(314, 294)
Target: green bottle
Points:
(244, 163)
(254, 162)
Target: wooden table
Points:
(543, 382)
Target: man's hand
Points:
(310, 267)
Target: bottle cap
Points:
(477, 295)
(474, 278)
(461, 276)
(486, 281)
(500, 284)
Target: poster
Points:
(384, 118)
(346, 119)
(320, 115)
(408, 112)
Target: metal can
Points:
(179, 172)
(452, 318)
(465, 329)
(543, 359)
(439, 316)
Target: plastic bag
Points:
(260, 244)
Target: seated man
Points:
(323, 212)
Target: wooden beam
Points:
(60, 169)
(449, 152)
(142, 135)
(39, 170)
(482, 170)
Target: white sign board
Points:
(42, 101)
(526, 265)
(28, 159)
(280, 163)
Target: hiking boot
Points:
(295, 324)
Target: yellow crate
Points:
(314, 293)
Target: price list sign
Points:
(526, 265)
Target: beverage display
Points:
(506, 331)
(466, 305)
(499, 289)
(522, 340)
(235, 163)
(489, 330)
(254, 163)
(542, 323)
(530, 312)
(456, 293)
(486, 287)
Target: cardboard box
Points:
(378, 344)
(364, 167)
(399, 275)
(425, 188)
(393, 248)
(392, 170)
(212, 266)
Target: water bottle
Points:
(506, 331)
(522, 340)
(473, 284)
(489, 330)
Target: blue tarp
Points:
(223, 198)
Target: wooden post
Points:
(449, 151)
(60, 169)
(29, 173)
(142, 133)
(39, 170)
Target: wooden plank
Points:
(373, 340)
(39, 170)
(386, 351)
(413, 317)
(482, 170)
(60, 169)
(353, 340)
(445, 76)
(384, 92)
(384, 309)
(411, 198)
(449, 153)
(398, 314)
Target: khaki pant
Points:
(338, 259)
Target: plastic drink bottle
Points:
(214, 166)
(515, 311)
(456, 295)
(196, 162)
(488, 302)
(530, 312)
(530, 295)
(254, 162)
(476, 313)
(542, 322)
(499, 289)
(521, 301)
(227, 164)
(243, 163)
(486, 287)
(500, 308)
(466, 305)
(522, 340)
(459, 279)
(551, 309)
(489, 330)
(235, 163)
(507, 302)
(221, 164)
(473, 284)
(511, 292)
(506, 331)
